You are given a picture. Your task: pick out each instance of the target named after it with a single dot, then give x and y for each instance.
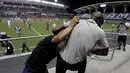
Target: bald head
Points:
(96, 14)
(98, 17)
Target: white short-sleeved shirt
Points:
(53, 25)
(8, 21)
(83, 38)
(123, 29)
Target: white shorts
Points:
(8, 24)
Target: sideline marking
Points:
(34, 30)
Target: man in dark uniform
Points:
(24, 47)
(47, 49)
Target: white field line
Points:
(34, 30)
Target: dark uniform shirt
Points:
(44, 52)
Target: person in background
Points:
(64, 21)
(24, 47)
(0, 19)
(9, 23)
(29, 24)
(18, 30)
(28, 19)
(50, 19)
(113, 27)
(53, 25)
(47, 49)
(47, 26)
(122, 29)
(24, 21)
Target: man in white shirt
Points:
(64, 22)
(9, 23)
(122, 29)
(53, 25)
(83, 39)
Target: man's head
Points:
(98, 17)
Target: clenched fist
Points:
(74, 21)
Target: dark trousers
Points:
(62, 66)
(29, 26)
(122, 39)
(25, 47)
(27, 71)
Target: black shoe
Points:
(118, 48)
(123, 49)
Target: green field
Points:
(38, 26)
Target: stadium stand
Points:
(9, 11)
(110, 16)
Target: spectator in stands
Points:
(83, 39)
(46, 49)
(31, 11)
(122, 34)
(24, 47)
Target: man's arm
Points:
(57, 29)
(64, 33)
(101, 52)
(126, 26)
(118, 27)
(103, 48)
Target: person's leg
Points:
(23, 49)
(4, 50)
(119, 42)
(29, 26)
(82, 67)
(9, 26)
(19, 34)
(124, 42)
(60, 65)
(46, 28)
(45, 71)
(27, 49)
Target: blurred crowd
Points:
(13, 11)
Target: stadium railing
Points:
(111, 37)
(31, 42)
